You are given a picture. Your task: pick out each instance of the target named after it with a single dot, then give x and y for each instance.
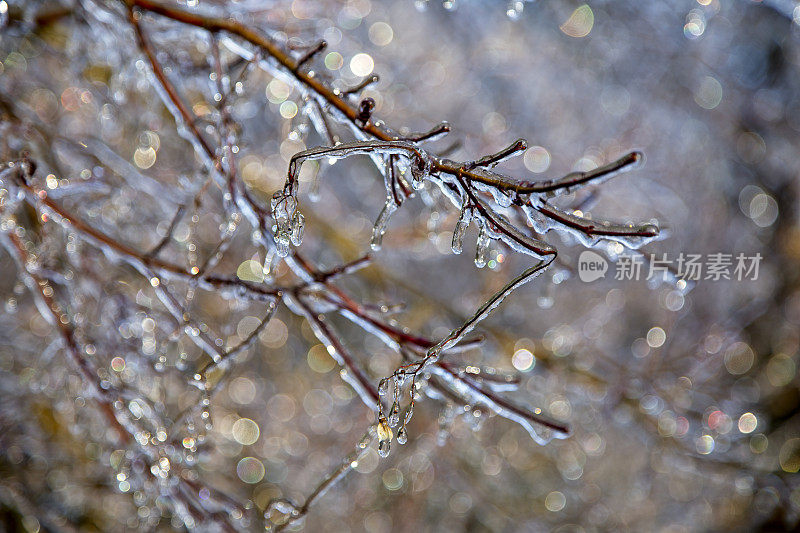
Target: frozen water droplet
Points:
(402, 435)
(383, 387)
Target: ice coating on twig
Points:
(491, 199)
(492, 160)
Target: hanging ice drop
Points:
(402, 435)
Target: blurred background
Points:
(683, 403)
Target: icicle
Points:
(482, 247)
(380, 225)
(409, 414)
(461, 229)
(394, 414)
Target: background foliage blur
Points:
(683, 406)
